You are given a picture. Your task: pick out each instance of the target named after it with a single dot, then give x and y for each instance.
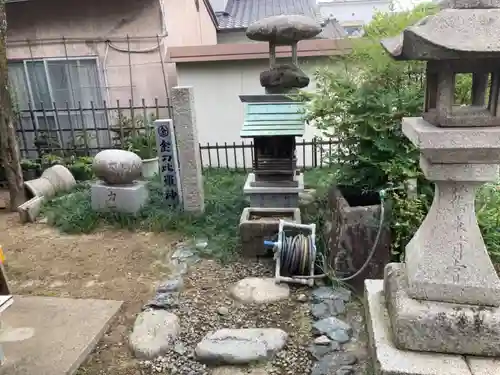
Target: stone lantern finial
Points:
(284, 30)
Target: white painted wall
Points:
(353, 10)
(219, 111)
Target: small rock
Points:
(333, 362)
(345, 370)
(319, 351)
(302, 297)
(42, 220)
(163, 301)
(185, 254)
(154, 333)
(283, 29)
(334, 328)
(260, 290)
(322, 340)
(180, 348)
(327, 308)
(240, 346)
(324, 293)
(172, 285)
(181, 268)
(223, 310)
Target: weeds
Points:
(224, 202)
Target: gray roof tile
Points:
(240, 14)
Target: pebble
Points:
(223, 310)
(322, 340)
(302, 297)
(259, 290)
(240, 346)
(154, 333)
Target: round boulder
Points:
(117, 167)
(283, 29)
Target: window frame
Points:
(45, 61)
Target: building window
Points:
(61, 94)
(44, 82)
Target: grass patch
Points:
(224, 202)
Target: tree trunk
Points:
(9, 150)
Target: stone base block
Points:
(261, 224)
(389, 360)
(432, 326)
(273, 196)
(119, 198)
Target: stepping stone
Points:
(240, 346)
(259, 290)
(154, 333)
(334, 328)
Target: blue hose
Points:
(269, 243)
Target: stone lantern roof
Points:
(464, 30)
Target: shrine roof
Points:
(450, 34)
(266, 119)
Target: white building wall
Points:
(219, 111)
(350, 11)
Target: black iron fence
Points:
(83, 131)
(310, 154)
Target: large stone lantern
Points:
(445, 297)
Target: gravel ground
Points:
(205, 305)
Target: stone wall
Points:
(350, 232)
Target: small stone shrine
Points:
(118, 188)
(274, 119)
(438, 313)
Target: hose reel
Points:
(294, 253)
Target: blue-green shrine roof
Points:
(265, 119)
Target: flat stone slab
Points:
(387, 359)
(240, 346)
(259, 290)
(63, 331)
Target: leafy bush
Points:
(363, 105)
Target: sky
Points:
(398, 4)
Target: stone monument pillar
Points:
(188, 149)
(445, 298)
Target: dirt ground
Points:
(116, 265)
